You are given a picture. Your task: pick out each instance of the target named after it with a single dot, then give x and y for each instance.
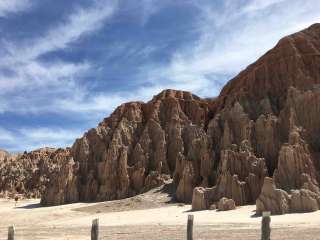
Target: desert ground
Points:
(148, 216)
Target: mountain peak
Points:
(167, 93)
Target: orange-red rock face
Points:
(257, 141)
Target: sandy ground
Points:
(159, 220)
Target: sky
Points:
(65, 65)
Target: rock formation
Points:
(138, 147)
(263, 124)
(271, 199)
(226, 204)
(258, 141)
(199, 199)
(3, 155)
(27, 174)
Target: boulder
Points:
(213, 207)
(226, 204)
(304, 201)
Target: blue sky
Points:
(65, 65)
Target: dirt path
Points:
(158, 197)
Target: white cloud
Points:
(80, 23)
(91, 104)
(257, 5)
(50, 134)
(32, 138)
(5, 135)
(225, 46)
(22, 58)
(231, 38)
(13, 6)
(38, 79)
(35, 74)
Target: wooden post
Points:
(95, 229)
(265, 226)
(190, 228)
(11, 233)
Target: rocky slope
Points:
(3, 154)
(256, 142)
(27, 174)
(137, 148)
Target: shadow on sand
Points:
(31, 206)
(255, 215)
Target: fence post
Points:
(11, 233)
(190, 228)
(265, 226)
(95, 229)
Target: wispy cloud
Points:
(13, 6)
(32, 85)
(225, 45)
(91, 104)
(230, 38)
(49, 134)
(33, 138)
(35, 75)
(80, 23)
(22, 70)
(5, 135)
(148, 9)
(258, 5)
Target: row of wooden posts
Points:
(265, 228)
